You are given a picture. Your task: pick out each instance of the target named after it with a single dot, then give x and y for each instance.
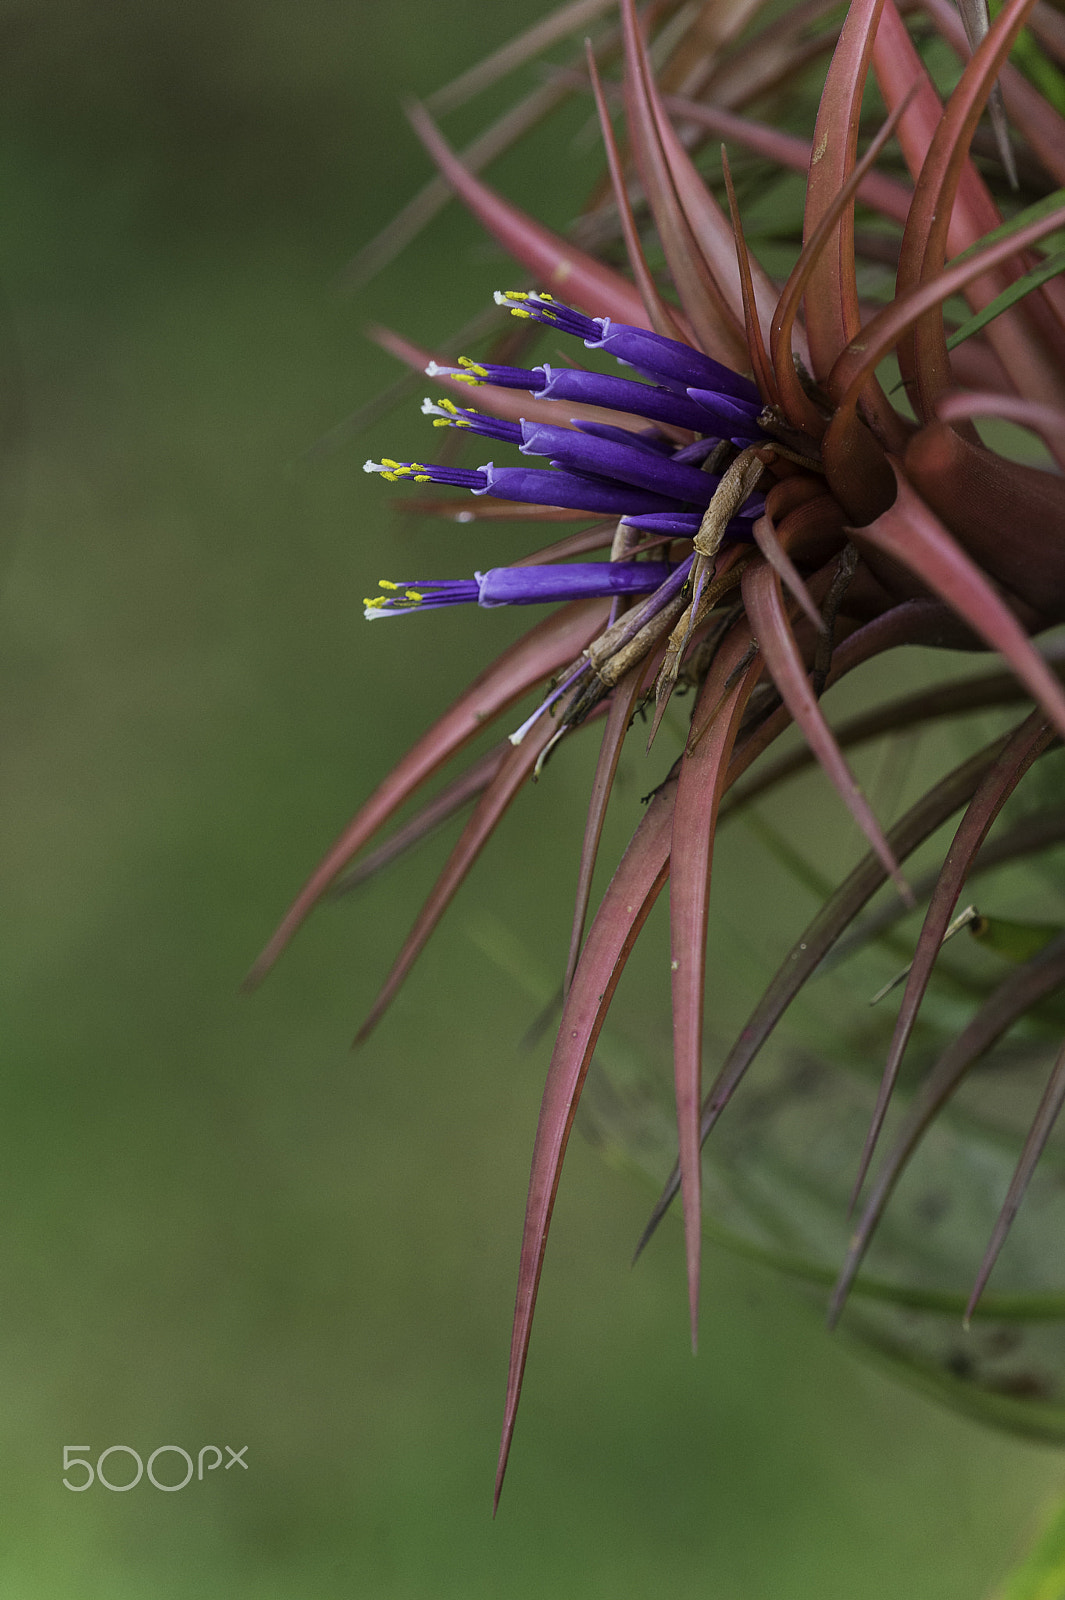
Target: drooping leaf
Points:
(818, 938)
(1025, 745)
(1016, 995)
(558, 265)
(514, 771)
(765, 607)
(626, 905)
(542, 651)
(715, 725)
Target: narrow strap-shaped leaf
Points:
(717, 331)
(1046, 1116)
(761, 365)
(709, 225)
(541, 652)
(1025, 745)
(1031, 836)
(766, 539)
(514, 772)
(876, 190)
(525, 46)
(907, 712)
(659, 315)
(765, 607)
(626, 905)
(831, 291)
(461, 791)
(817, 939)
(553, 261)
(1048, 421)
(800, 409)
(714, 727)
(924, 242)
(1023, 988)
(910, 533)
(883, 331)
(432, 197)
(622, 705)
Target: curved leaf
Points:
(542, 651)
(625, 908)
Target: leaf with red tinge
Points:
(883, 332)
(876, 190)
(461, 791)
(715, 725)
(660, 316)
(624, 909)
(546, 648)
(1049, 421)
(800, 409)
(1022, 989)
(830, 923)
(514, 772)
(1042, 1127)
(718, 333)
(923, 354)
(910, 533)
(765, 607)
(766, 539)
(622, 705)
(761, 365)
(558, 265)
(1025, 745)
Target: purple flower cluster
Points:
(644, 478)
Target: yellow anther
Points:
(386, 461)
(385, 584)
(473, 369)
(516, 313)
(412, 594)
(390, 477)
(545, 296)
(374, 602)
(422, 477)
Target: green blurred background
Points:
(219, 1225)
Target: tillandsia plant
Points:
(773, 517)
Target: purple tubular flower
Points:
(624, 463)
(675, 365)
(625, 394)
(446, 414)
(573, 491)
(521, 586)
(685, 524)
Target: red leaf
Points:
(835, 916)
(624, 910)
(909, 532)
(1022, 989)
(1026, 743)
(542, 651)
(514, 771)
(558, 265)
(1042, 1127)
(715, 725)
(660, 317)
(765, 607)
(716, 330)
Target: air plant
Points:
(774, 518)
